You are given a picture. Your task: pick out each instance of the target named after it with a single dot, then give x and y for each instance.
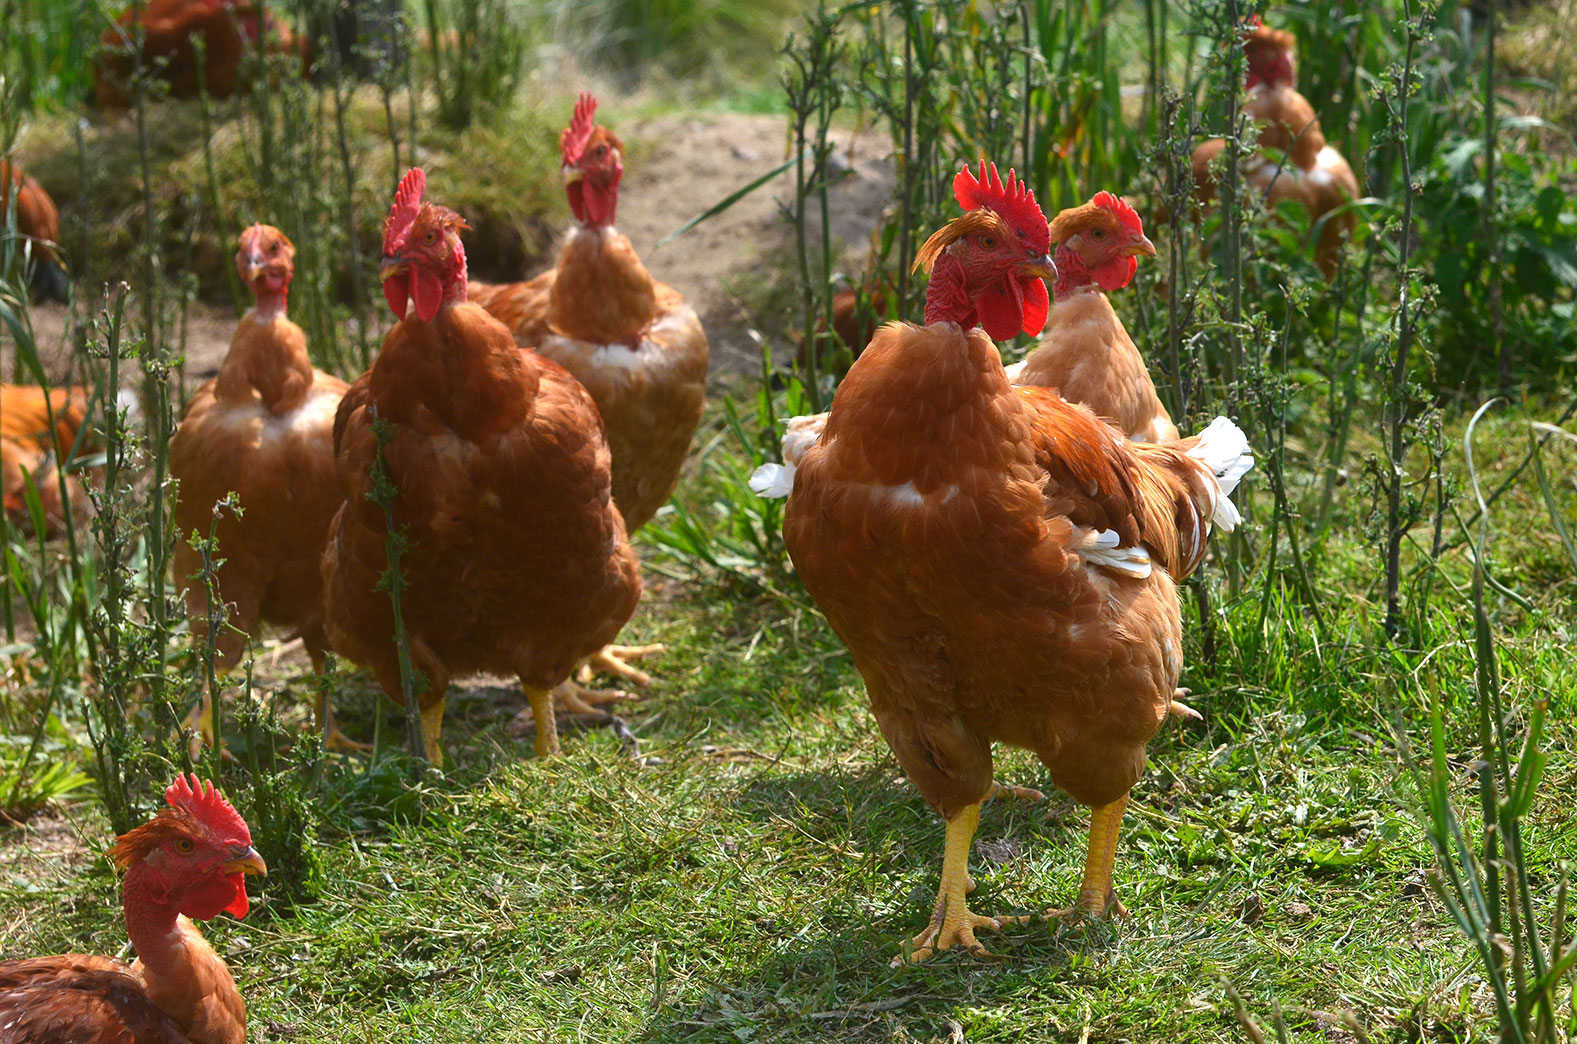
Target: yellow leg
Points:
(1096, 897)
(432, 731)
(333, 738)
(547, 742)
(952, 923)
(577, 699)
(610, 660)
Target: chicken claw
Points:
(1178, 709)
(576, 698)
(610, 660)
(952, 922)
(1009, 790)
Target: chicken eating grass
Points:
(1001, 564)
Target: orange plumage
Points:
(189, 863)
(263, 429)
(1313, 173)
(1000, 563)
(1086, 355)
(38, 222)
(228, 29)
(517, 560)
(633, 342)
(28, 446)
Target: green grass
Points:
(751, 877)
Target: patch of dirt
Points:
(682, 165)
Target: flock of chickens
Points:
(999, 548)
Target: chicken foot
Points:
(1178, 709)
(1096, 896)
(610, 660)
(578, 699)
(952, 922)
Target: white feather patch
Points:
(772, 480)
(1014, 370)
(1098, 547)
(1223, 448)
(799, 435)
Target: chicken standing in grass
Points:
(1086, 355)
(1000, 563)
(263, 429)
(1303, 167)
(633, 342)
(517, 561)
(190, 861)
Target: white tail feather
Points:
(799, 435)
(1223, 448)
(1098, 547)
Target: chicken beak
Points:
(1039, 268)
(572, 174)
(391, 267)
(246, 861)
(254, 268)
(1142, 245)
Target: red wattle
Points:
(576, 191)
(1115, 274)
(1001, 310)
(428, 291)
(396, 291)
(239, 905)
(1037, 305)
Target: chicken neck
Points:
(947, 298)
(1074, 275)
(602, 293)
(171, 952)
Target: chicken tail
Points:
(773, 481)
(1186, 491)
(1223, 448)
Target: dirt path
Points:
(682, 164)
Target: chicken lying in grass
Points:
(633, 342)
(1001, 564)
(1302, 167)
(189, 863)
(38, 222)
(263, 429)
(516, 559)
(38, 429)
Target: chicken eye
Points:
(431, 237)
(602, 150)
(988, 242)
(1097, 233)
(185, 846)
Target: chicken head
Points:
(1099, 242)
(423, 257)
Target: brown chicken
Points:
(228, 28)
(263, 429)
(38, 222)
(1086, 355)
(188, 864)
(1303, 167)
(633, 342)
(1000, 563)
(29, 447)
(517, 561)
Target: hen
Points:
(1086, 355)
(190, 861)
(263, 429)
(228, 29)
(633, 342)
(1000, 563)
(38, 429)
(38, 222)
(1304, 167)
(517, 561)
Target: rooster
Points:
(263, 429)
(1086, 355)
(189, 863)
(1304, 167)
(633, 342)
(228, 29)
(1000, 563)
(517, 561)
(38, 223)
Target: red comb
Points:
(1119, 206)
(407, 203)
(1013, 202)
(203, 800)
(572, 139)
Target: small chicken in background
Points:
(1001, 564)
(228, 28)
(263, 429)
(37, 221)
(189, 863)
(516, 559)
(631, 341)
(1305, 168)
(38, 430)
(1086, 355)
